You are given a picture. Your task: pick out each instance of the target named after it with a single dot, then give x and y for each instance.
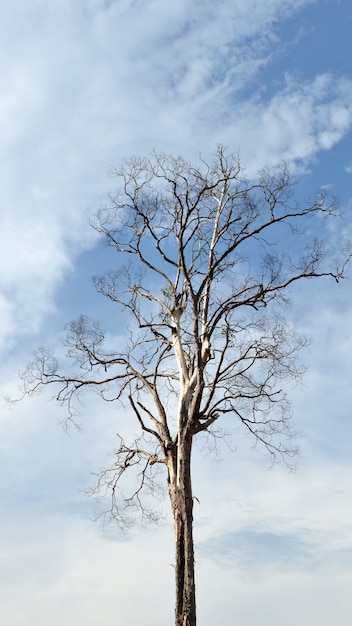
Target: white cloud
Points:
(265, 534)
(295, 124)
(290, 598)
(82, 85)
(65, 572)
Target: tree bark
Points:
(180, 490)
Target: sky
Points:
(84, 84)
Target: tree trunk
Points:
(180, 490)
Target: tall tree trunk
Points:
(180, 490)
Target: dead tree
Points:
(206, 260)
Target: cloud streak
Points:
(84, 85)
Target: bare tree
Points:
(207, 259)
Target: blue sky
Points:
(84, 84)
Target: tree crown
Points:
(207, 257)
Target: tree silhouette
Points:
(206, 261)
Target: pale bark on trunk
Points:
(180, 491)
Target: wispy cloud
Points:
(84, 84)
(296, 124)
